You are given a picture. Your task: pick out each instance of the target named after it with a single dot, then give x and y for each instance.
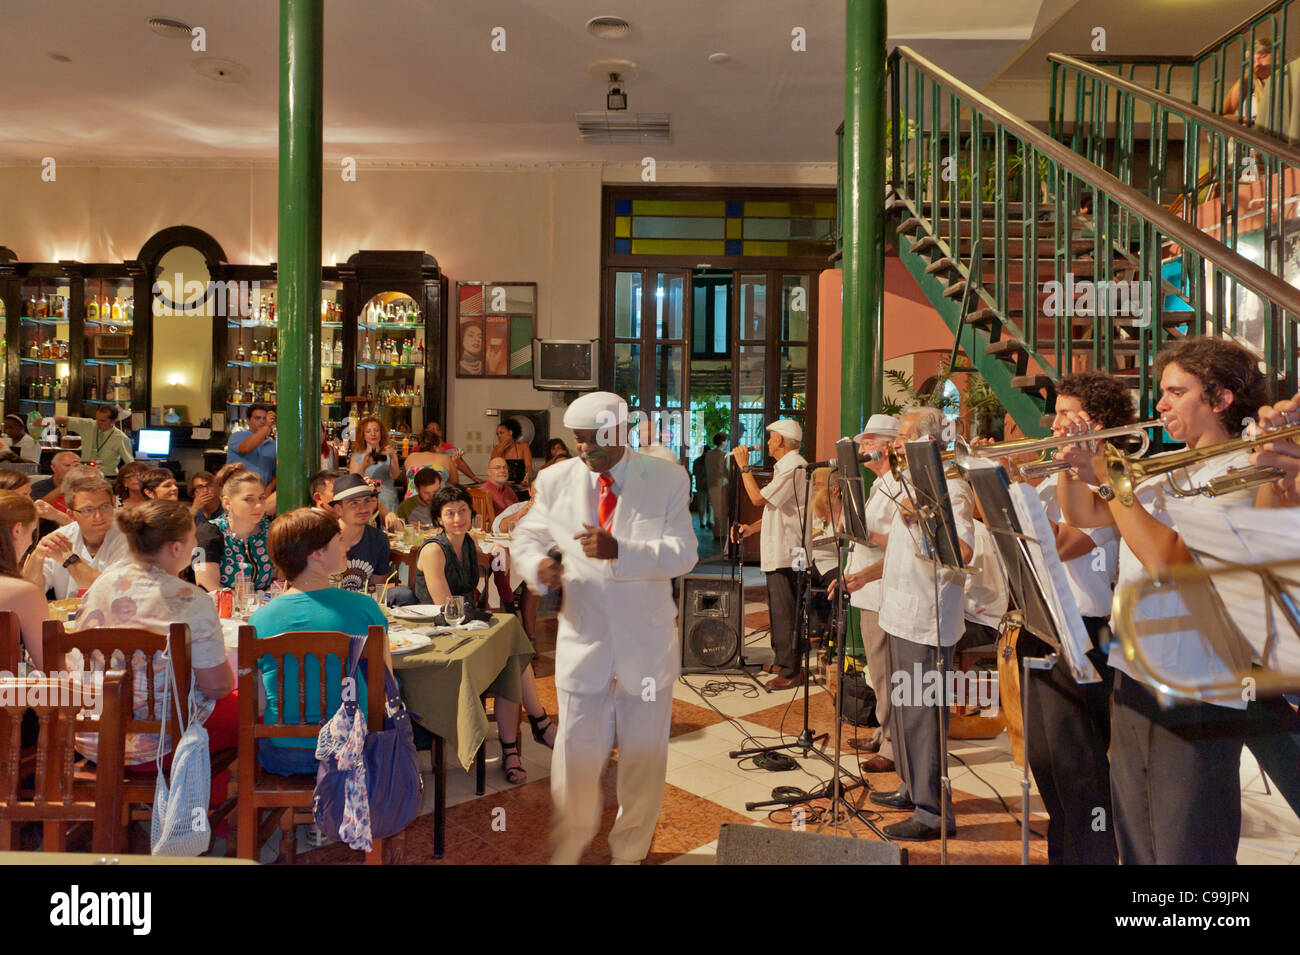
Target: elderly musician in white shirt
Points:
(877, 437)
(784, 500)
(920, 629)
(612, 527)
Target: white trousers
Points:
(590, 724)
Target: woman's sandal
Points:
(514, 774)
(540, 725)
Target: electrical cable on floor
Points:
(1009, 812)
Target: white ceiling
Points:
(417, 79)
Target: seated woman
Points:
(17, 527)
(237, 539)
(556, 450)
(448, 566)
(145, 591)
(159, 484)
(126, 486)
(17, 481)
(307, 547)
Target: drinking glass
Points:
(478, 523)
(454, 610)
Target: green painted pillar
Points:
(863, 228)
(298, 383)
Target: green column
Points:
(864, 212)
(863, 228)
(298, 383)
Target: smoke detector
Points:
(170, 28)
(608, 28)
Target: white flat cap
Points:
(596, 410)
(882, 425)
(787, 428)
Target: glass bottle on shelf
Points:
(325, 353)
(92, 310)
(365, 353)
(117, 309)
(130, 309)
(338, 351)
(105, 310)
(239, 352)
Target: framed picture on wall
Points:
(495, 326)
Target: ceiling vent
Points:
(608, 28)
(172, 29)
(624, 129)
(222, 71)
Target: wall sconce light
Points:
(175, 381)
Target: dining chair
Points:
(287, 800)
(141, 652)
(53, 797)
(11, 642)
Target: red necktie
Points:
(605, 509)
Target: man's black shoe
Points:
(893, 800)
(913, 830)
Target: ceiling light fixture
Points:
(608, 28)
(169, 27)
(616, 98)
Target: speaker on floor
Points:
(710, 613)
(764, 845)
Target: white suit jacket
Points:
(618, 617)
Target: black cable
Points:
(1005, 807)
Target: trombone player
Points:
(1175, 781)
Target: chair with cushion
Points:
(139, 649)
(54, 796)
(268, 799)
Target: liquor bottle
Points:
(365, 354)
(406, 447)
(420, 357)
(36, 349)
(117, 309)
(94, 391)
(130, 310)
(275, 350)
(270, 395)
(338, 352)
(239, 352)
(45, 349)
(406, 352)
(43, 308)
(325, 354)
(92, 310)
(105, 310)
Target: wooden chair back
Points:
(259, 789)
(481, 503)
(53, 798)
(151, 662)
(11, 642)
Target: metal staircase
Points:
(1043, 260)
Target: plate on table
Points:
(404, 641)
(414, 612)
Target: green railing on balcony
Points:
(1046, 223)
(1209, 76)
(1233, 183)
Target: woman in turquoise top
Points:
(375, 458)
(307, 549)
(237, 539)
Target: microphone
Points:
(834, 464)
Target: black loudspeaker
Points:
(711, 613)
(534, 428)
(764, 845)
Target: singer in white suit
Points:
(612, 527)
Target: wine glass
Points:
(477, 523)
(454, 610)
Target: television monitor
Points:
(564, 364)
(154, 444)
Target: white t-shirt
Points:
(1181, 652)
(113, 549)
(986, 586)
(25, 447)
(1090, 577)
(782, 529)
(907, 607)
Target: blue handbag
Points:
(368, 784)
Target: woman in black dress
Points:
(450, 565)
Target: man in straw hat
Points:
(612, 528)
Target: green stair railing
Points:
(1232, 182)
(1051, 225)
(1207, 77)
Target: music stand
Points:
(1034, 576)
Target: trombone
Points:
(1047, 465)
(1124, 472)
(898, 463)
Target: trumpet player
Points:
(1174, 774)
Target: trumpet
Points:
(1047, 465)
(1124, 472)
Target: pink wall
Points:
(912, 327)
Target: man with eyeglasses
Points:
(70, 559)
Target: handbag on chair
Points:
(179, 824)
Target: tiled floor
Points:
(714, 715)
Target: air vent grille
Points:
(620, 128)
